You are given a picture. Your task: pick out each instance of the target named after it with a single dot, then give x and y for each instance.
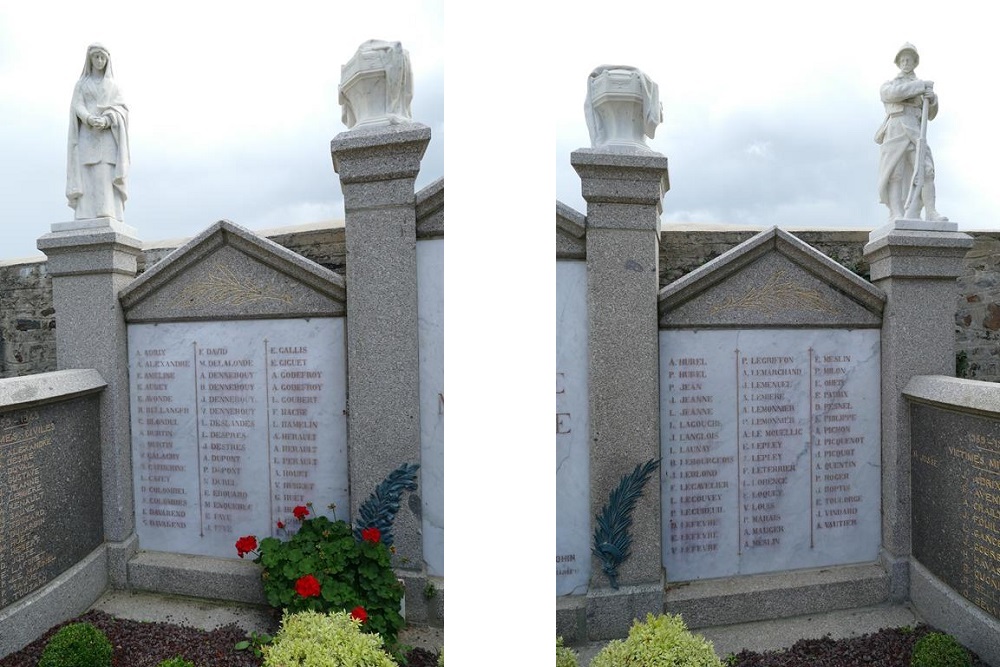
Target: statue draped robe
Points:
(98, 159)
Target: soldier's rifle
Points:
(912, 206)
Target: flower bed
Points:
(138, 644)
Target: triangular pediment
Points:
(228, 272)
(771, 280)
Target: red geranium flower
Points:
(307, 586)
(281, 525)
(359, 613)
(300, 512)
(371, 535)
(245, 545)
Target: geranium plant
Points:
(326, 566)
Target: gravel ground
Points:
(891, 647)
(140, 644)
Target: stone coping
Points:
(178, 241)
(29, 390)
(969, 395)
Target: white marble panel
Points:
(430, 315)
(573, 530)
(233, 425)
(771, 450)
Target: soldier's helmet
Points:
(908, 47)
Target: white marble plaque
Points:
(430, 315)
(573, 532)
(233, 425)
(771, 450)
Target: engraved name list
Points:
(770, 448)
(233, 425)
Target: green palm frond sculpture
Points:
(379, 511)
(611, 537)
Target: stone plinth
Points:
(94, 225)
(623, 193)
(377, 168)
(913, 225)
(917, 271)
(88, 269)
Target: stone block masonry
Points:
(27, 319)
(977, 320)
(684, 249)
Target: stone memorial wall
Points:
(956, 513)
(212, 399)
(234, 424)
(770, 440)
(50, 504)
(573, 533)
(430, 309)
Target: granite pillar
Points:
(89, 265)
(917, 269)
(377, 168)
(623, 189)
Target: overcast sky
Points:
(770, 108)
(232, 106)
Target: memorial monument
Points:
(906, 166)
(97, 163)
(207, 398)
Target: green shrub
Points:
(441, 657)
(311, 639)
(343, 574)
(176, 662)
(936, 649)
(256, 641)
(77, 645)
(662, 641)
(565, 657)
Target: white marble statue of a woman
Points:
(98, 154)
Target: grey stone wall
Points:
(28, 320)
(977, 318)
(684, 250)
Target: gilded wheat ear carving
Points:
(223, 287)
(777, 294)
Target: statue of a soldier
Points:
(906, 167)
